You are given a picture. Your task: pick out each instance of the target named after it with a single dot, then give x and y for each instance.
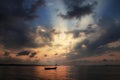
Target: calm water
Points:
(62, 73)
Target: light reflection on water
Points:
(61, 73)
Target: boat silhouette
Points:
(51, 68)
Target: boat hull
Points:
(54, 68)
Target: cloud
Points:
(44, 36)
(23, 53)
(36, 5)
(76, 33)
(77, 8)
(114, 46)
(15, 26)
(32, 54)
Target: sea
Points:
(61, 73)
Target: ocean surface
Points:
(61, 73)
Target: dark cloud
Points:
(23, 53)
(32, 54)
(46, 35)
(77, 8)
(36, 5)
(76, 33)
(15, 26)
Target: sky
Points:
(62, 31)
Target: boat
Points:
(51, 68)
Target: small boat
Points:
(51, 68)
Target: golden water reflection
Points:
(61, 73)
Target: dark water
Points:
(62, 73)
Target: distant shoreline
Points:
(50, 65)
(20, 65)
